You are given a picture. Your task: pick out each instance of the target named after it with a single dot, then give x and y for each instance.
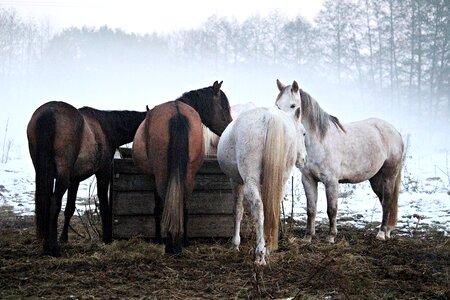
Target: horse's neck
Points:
(316, 142)
(313, 139)
(122, 126)
(192, 101)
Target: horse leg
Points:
(103, 180)
(252, 194)
(310, 187)
(384, 189)
(332, 192)
(69, 210)
(51, 245)
(238, 211)
(185, 241)
(157, 212)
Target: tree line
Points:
(395, 49)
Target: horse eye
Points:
(304, 133)
(292, 105)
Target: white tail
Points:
(272, 179)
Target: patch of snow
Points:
(17, 187)
(423, 201)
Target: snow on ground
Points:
(424, 200)
(17, 187)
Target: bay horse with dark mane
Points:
(68, 145)
(169, 146)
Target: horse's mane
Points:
(316, 118)
(118, 125)
(200, 100)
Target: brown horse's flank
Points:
(168, 146)
(67, 146)
(178, 157)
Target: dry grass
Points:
(357, 267)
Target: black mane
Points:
(119, 126)
(200, 100)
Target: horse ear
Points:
(216, 86)
(297, 113)
(280, 85)
(295, 87)
(146, 108)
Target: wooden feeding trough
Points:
(210, 209)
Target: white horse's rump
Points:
(257, 152)
(211, 139)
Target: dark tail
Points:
(45, 171)
(178, 157)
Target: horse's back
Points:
(151, 143)
(242, 144)
(386, 135)
(360, 152)
(68, 128)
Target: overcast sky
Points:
(143, 16)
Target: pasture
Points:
(357, 267)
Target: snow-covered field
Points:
(424, 199)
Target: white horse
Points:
(210, 139)
(370, 149)
(257, 152)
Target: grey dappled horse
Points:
(370, 149)
(257, 152)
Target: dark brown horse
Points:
(67, 145)
(169, 146)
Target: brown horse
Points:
(67, 145)
(169, 146)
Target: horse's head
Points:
(216, 114)
(301, 134)
(288, 99)
(212, 106)
(220, 115)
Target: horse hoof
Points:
(381, 236)
(173, 249)
(53, 251)
(235, 248)
(260, 262)
(330, 239)
(307, 239)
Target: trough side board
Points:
(210, 209)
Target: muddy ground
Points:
(356, 267)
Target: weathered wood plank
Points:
(211, 202)
(210, 208)
(126, 165)
(132, 182)
(142, 182)
(143, 203)
(210, 166)
(129, 226)
(198, 226)
(133, 203)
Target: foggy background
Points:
(368, 58)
